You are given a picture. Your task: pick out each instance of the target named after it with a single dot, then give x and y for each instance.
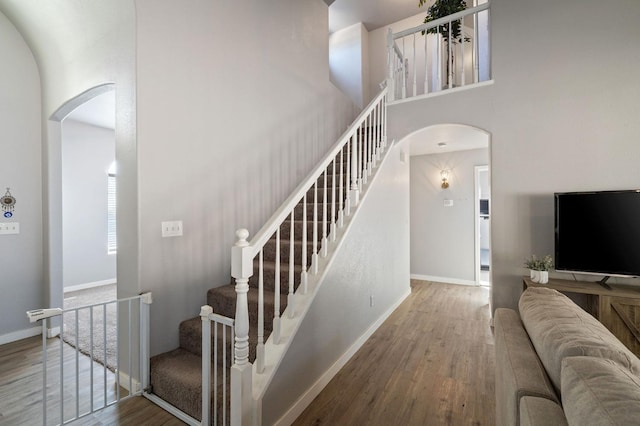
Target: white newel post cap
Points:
(241, 259)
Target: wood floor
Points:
(431, 363)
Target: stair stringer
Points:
(386, 195)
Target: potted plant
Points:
(440, 9)
(539, 268)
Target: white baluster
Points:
(415, 81)
(260, 347)
(450, 58)
(241, 270)
(292, 263)
(404, 71)
(325, 241)
(341, 192)
(205, 311)
(303, 274)
(390, 64)
(365, 152)
(462, 77)
(348, 181)
(476, 66)
(276, 290)
(354, 172)
(333, 201)
(426, 64)
(384, 121)
(314, 256)
(360, 138)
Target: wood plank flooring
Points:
(431, 363)
(21, 389)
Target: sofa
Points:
(557, 365)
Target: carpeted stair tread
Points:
(269, 275)
(269, 250)
(176, 377)
(223, 301)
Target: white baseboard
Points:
(20, 334)
(303, 402)
(124, 382)
(53, 332)
(445, 280)
(89, 285)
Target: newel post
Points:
(241, 380)
(390, 62)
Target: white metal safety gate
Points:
(99, 358)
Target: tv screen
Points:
(598, 232)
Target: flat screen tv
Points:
(598, 233)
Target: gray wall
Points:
(373, 260)
(21, 273)
(87, 153)
(557, 123)
(442, 238)
(225, 132)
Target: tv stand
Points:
(616, 306)
(603, 282)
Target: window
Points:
(112, 243)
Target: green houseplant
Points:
(440, 9)
(539, 268)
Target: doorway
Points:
(482, 204)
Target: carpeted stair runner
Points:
(176, 375)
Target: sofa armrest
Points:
(519, 371)
(536, 411)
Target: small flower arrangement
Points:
(539, 268)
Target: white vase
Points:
(543, 277)
(535, 276)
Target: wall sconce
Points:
(444, 174)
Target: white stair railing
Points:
(76, 385)
(343, 172)
(417, 58)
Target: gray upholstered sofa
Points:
(557, 365)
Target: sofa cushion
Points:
(598, 391)
(518, 369)
(535, 411)
(558, 328)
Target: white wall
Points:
(20, 255)
(87, 153)
(349, 62)
(225, 133)
(555, 124)
(442, 238)
(373, 260)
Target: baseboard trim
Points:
(124, 383)
(305, 400)
(20, 334)
(89, 285)
(444, 280)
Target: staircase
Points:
(294, 241)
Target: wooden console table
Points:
(618, 309)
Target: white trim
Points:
(303, 402)
(171, 409)
(53, 332)
(20, 334)
(89, 285)
(444, 280)
(124, 383)
(441, 92)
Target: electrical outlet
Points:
(371, 300)
(172, 229)
(8, 228)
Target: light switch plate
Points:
(172, 229)
(448, 203)
(8, 228)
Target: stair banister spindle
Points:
(348, 180)
(365, 154)
(415, 81)
(450, 58)
(325, 244)
(476, 66)
(426, 64)
(241, 380)
(462, 77)
(260, 346)
(360, 137)
(333, 201)
(354, 172)
(205, 311)
(404, 72)
(303, 274)
(390, 63)
(291, 298)
(374, 118)
(340, 191)
(276, 290)
(314, 256)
